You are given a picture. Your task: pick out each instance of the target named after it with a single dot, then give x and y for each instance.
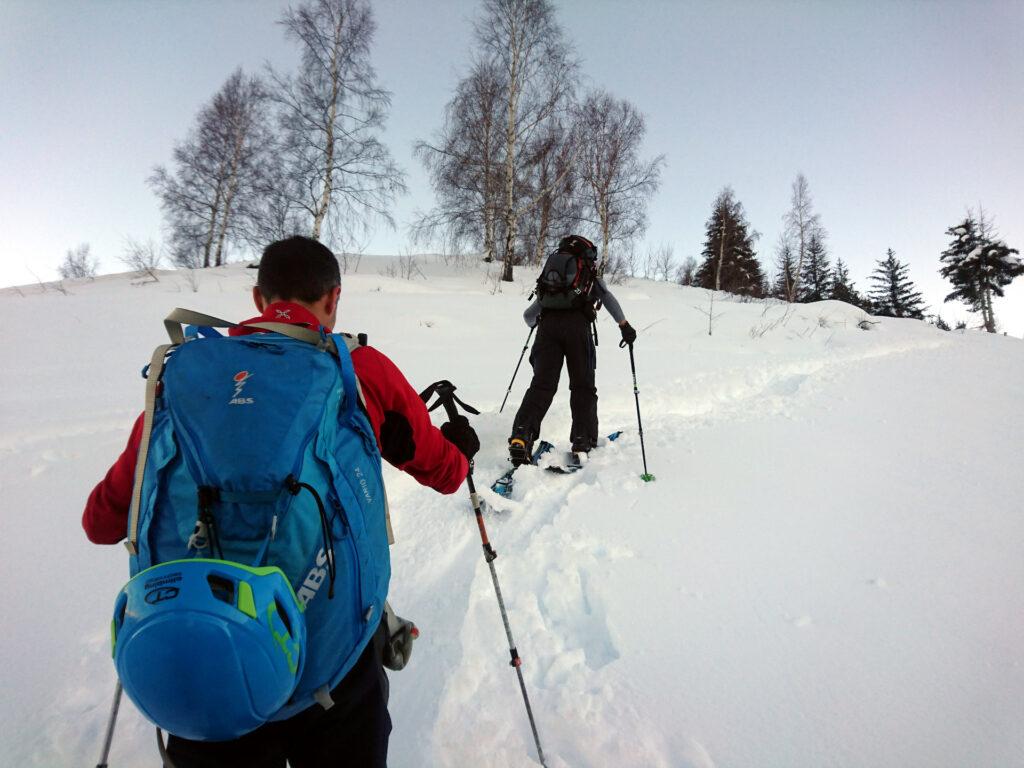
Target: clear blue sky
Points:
(900, 114)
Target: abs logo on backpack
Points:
(240, 378)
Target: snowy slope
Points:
(827, 571)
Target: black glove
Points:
(461, 435)
(628, 334)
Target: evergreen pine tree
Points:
(730, 263)
(785, 271)
(814, 277)
(842, 288)
(894, 294)
(979, 267)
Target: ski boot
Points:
(581, 448)
(520, 448)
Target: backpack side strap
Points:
(156, 368)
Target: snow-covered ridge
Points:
(826, 572)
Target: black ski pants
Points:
(561, 335)
(351, 734)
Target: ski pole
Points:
(516, 373)
(110, 726)
(445, 391)
(646, 476)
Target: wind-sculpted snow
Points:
(826, 571)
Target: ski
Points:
(573, 461)
(503, 485)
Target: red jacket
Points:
(406, 437)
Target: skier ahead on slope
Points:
(298, 284)
(569, 293)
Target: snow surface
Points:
(827, 572)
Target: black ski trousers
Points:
(561, 335)
(351, 734)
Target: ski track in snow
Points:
(799, 587)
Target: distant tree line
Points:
(977, 263)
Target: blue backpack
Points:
(256, 450)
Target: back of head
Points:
(578, 245)
(297, 269)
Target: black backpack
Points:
(566, 281)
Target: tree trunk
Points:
(545, 216)
(988, 315)
(510, 156)
(542, 230)
(214, 210)
(490, 245)
(332, 114)
(606, 232)
(236, 160)
(721, 254)
(800, 259)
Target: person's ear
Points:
(258, 300)
(331, 305)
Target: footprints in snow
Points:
(577, 612)
(571, 601)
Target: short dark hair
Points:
(297, 268)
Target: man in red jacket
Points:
(299, 283)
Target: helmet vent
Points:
(284, 615)
(122, 606)
(223, 589)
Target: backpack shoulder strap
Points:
(179, 316)
(352, 343)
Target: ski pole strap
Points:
(446, 397)
(155, 371)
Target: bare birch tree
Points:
(216, 166)
(78, 263)
(609, 133)
(686, 271)
(143, 258)
(552, 183)
(539, 72)
(338, 174)
(801, 223)
(465, 166)
(664, 262)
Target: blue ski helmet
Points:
(208, 649)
